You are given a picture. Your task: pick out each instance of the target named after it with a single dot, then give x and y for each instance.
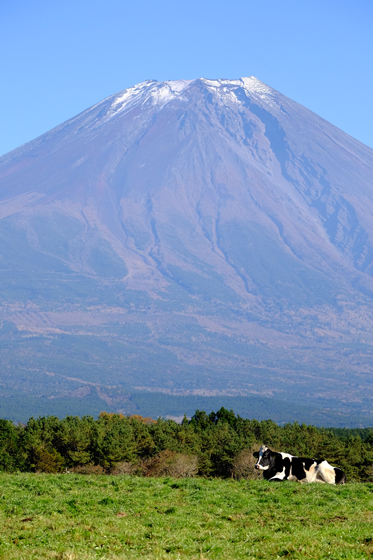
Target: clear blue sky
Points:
(58, 57)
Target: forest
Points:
(207, 445)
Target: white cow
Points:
(282, 466)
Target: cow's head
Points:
(264, 458)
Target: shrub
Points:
(87, 469)
(183, 466)
(170, 463)
(123, 468)
(244, 466)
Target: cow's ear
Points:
(256, 454)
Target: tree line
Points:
(208, 445)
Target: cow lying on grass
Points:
(282, 466)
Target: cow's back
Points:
(303, 469)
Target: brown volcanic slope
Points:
(205, 236)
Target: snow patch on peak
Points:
(158, 93)
(253, 85)
(129, 96)
(220, 83)
(226, 89)
(166, 91)
(213, 83)
(178, 85)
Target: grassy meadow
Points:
(77, 517)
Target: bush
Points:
(183, 466)
(87, 469)
(170, 463)
(244, 466)
(123, 468)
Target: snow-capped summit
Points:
(161, 93)
(158, 93)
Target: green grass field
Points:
(70, 517)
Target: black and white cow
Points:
(282, 466)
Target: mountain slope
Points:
(206, 236)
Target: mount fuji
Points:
(192, 237)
